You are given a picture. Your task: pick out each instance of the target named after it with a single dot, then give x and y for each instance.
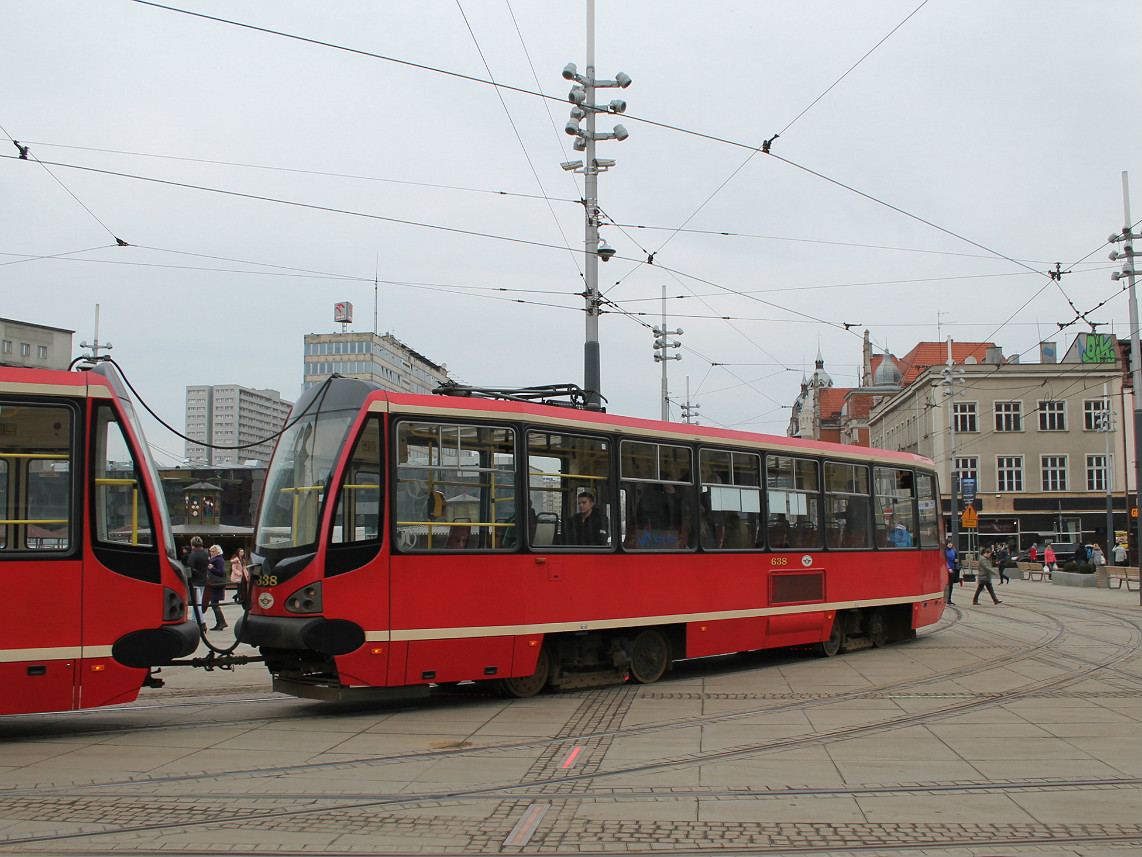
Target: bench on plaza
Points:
(1034, 571)
(1116, 575)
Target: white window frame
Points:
(1091, 409)
(1099, 472)
(1053, 472)
(1009, 473)
(966, 417)
(1052, 415)
(1008, 416)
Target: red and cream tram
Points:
(405, 540)
(93, 596)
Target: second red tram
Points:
(93, 596)
(406, 540)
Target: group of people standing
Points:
(208, 576)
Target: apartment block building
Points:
(230, 415)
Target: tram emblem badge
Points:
(806, 560)
(266, 600)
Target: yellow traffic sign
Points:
(969, 518)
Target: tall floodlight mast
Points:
(582, 96)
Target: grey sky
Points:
(1007, 123)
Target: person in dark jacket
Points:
(589, 526)
(1000, 558)
(198, 567)
(983, 577)
(1080, 554)
(215, 587)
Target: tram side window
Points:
(656, 496)
(36, 487)
(794, 502)
(928, 503)
(895, 499)
(729, 507)
(121, 513)
(358, 514)
(455, 487)
(847, 520)
(569, 494)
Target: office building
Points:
(382, 359)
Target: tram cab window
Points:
(928, 504)
(358, 514)
(36, 477)
(793, 502)
(657, 496)
(121, 513)
(455, 487)
(569, 493)
(848, 522)
(729, 506)
(895, 507)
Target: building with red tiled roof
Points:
(1025, 437)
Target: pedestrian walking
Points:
(1001, 555)
(215, 586)
(983, 577)
(198, 564)
(239, 575)
(1050, 561)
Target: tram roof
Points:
(572, 418)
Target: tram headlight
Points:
(305, 600)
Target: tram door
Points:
(40, 606)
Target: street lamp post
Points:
(582, 96)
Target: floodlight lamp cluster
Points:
(1126, 253)
(578, 96)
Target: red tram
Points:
(93, 596)
(405, 540)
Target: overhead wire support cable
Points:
(26, 155)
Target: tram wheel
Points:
(877, 629)
(832, 646)
(651, 656)
(523, 687)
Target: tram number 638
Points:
(779, 560)
(267, 580)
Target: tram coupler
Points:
(219, 662)
(153, 680)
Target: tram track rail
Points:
(101, 794)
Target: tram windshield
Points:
(297, 482)
(142, 456)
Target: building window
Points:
(965, 416)
(1054, 472)
(42, 351)
(1009, 416)
(7, 347)
(967, 468)
(1098, 477)
(1092, 413)
(1052, 416)
(25, 349)
(1009, 473)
